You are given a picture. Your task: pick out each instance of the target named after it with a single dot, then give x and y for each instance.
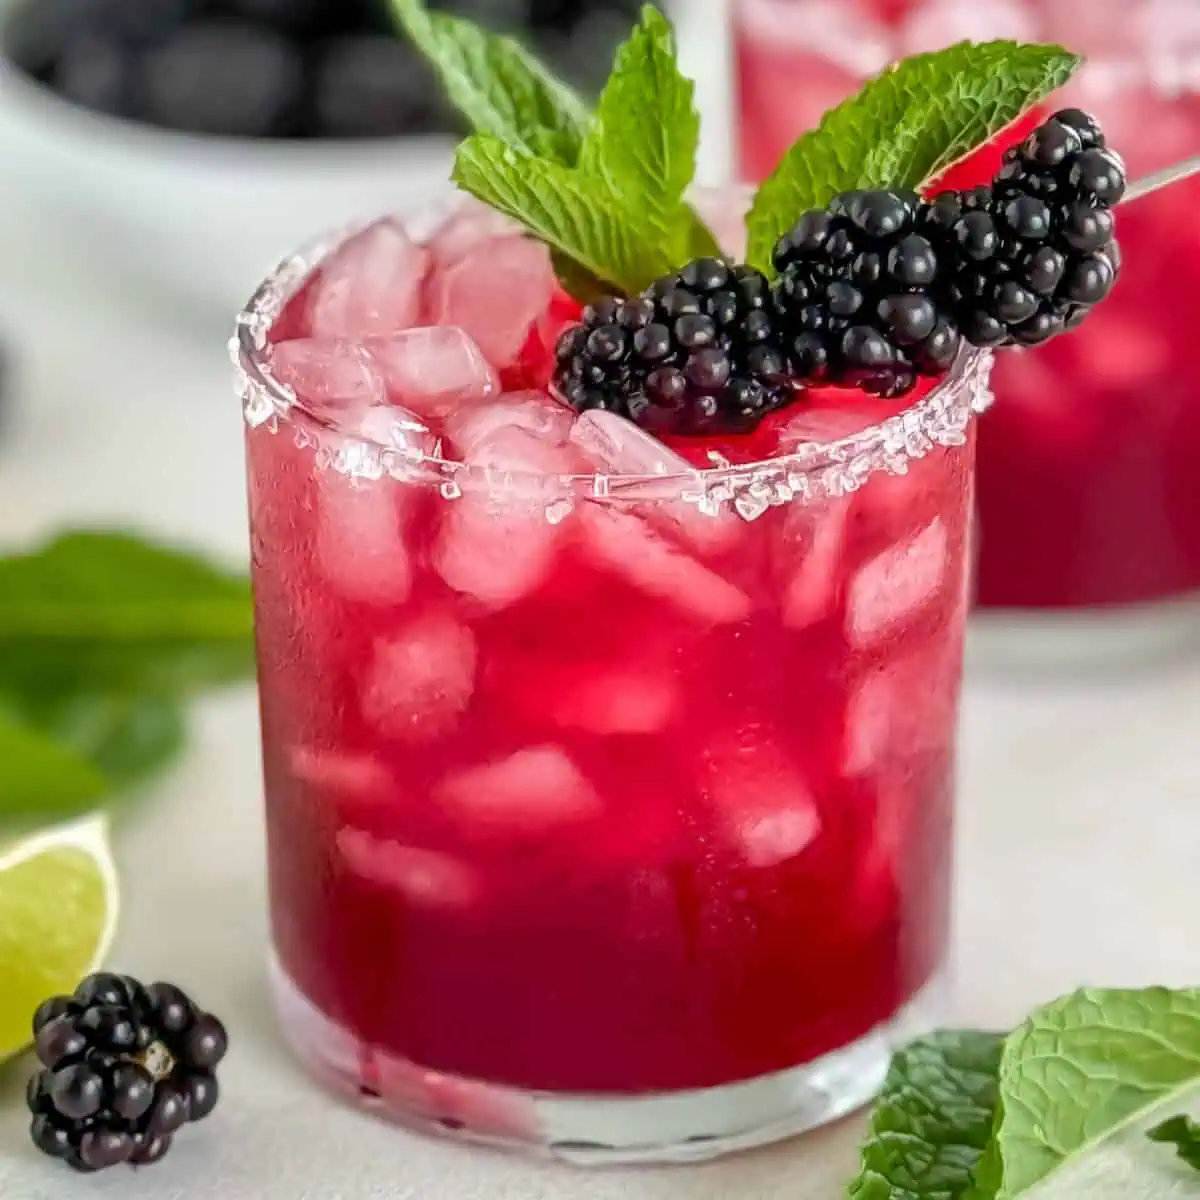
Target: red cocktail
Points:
(609, 784)
(1088, 495)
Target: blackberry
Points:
(696, 352)
(856, 293)
(124, 1068)
(1026, 259)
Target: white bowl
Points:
(204, 218)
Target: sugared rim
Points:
(812, 471)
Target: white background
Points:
(1078, 801)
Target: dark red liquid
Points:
(664, 819)
(1087, 491)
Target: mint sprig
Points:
(604, 190)
(933, 1118)
(1184, 1134)
(497, 84)
(644, 139)
(40, 773)
(103, 639)
(904, 129)
(977, 1116)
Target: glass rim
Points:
(832, 467)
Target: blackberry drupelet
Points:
(855, 295)
(1028, 259)
(697, 351)
(125, 1067)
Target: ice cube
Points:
(330, 379)
(761, 797)
(356, 776)
(420, 680)
(469, 225)
(599, 697)
(939, 23)
(895, 586)
(532, 792)
(424, 878)
(434, 371)
(394, 428)
(533, 412)
(626, 545)
(810, 553)
(495, 292)
(901, 709)
(371, 287)
(360, 548)
(820, 426)
(1121, 347)
(497, 541)
(613, 444)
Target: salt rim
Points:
(814, 471)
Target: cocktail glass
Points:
(609, 784)
(1088, 495)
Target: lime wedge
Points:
(59, 901)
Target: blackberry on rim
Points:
(697, 351)
(856, 294)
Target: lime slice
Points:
(59, 901)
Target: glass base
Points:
(1001, 641)
(670, 1127)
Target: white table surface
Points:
(1078, 806)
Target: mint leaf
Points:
(128, 738)
(644, 138)
(84, 586)
(1079, 1070)
(101, 636)
(38, 775)
(1184, 1134)
(562, 208)
(905, 128)
(933, 1119)
(496, 84)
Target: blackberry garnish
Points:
(696, 352)
(856, 294)
(1028, 258)
(125, 1068)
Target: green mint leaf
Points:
(577, 281)
(905, 128)
(1184, 1134)
(108, 613)
(41, 777)
(644, 137)
(129, 738)
(83, 586)
(932, 1120)
(562, 208)
(499, 87)
(1079, 1070)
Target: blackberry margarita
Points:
(573, 787)
(609, 655)
(1086, 487)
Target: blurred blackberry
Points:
(224, 77)
(1029, 260)
(696, 352)
(125, 1067)
(371, 85)
(856, 295)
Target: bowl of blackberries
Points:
(191, 141)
